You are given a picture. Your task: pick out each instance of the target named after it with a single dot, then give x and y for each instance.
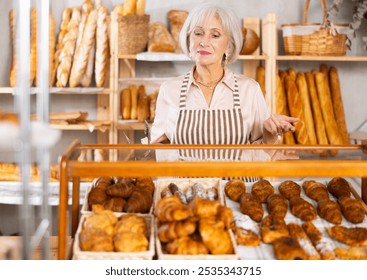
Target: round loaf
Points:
(250, 41)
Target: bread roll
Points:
(296, 110)
(134, 102)
(68, 48)
(260, 78)
(337, 100)
(176, 20)
(143, 107)
(160, 40)
(102, 47)
(327, 110)
(251, 41)
(305, 98)
(126, 104)
(33, 55)
(316, 109)
(12, 35)
(80, 61)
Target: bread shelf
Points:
(56, 90)
(321, 58)
(130, 125)
(88, 125)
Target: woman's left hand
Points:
(280, 124)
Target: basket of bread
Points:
(315, 38)
(133, 27)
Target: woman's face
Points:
(208, 43)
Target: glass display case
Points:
(274, 162)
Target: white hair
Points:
(231, 24)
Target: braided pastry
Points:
(251, 206)
(302, 209)
(315, 190)
(277, 204)
(339, 187)
(330, 211)
(262, 189)
(234, 189)
(356, 236)
(289, 189)
(352, 209)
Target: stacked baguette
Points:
(315, 98)
(136, 104)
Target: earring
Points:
(201, 44)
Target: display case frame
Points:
(352, 162)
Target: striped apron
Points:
(204, 126)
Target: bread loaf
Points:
(13, 51)
(327, 110)
(129, 8)
(305, 98)
(140, 7)
(176, 20)
(143, 107)
(291, 72)
(52, 46)
(160, 40)
(86, 78)
(316, 109)
(80, 60)
(296, 110)
(337, 100)
(68, 49)
(125, 97)
(134, 102)
(102, 47)
(33, 55)
(251, 41)
(152, 104)
(260, 78)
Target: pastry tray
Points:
(265, 251)
(78, 254)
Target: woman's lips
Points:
(203, 52)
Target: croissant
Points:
(289, 189)
(97, 195)
(102, 219)
(225, 214)
(351, 253)
(251, 206)
(356, 236)
(140, 201)
(204, 208)
(234, 189)
(120, 189)
(272, 228)
(352, 209)
(170, 209)
(322, 244)
(186, 245)
(115, 204)
(95, 240)
(131, 223)
(177, 192)
(287, 248)
(247, 237)
(339, 187)
(103, 182)
(302, 209)
(212, 193)
(330, 211)
(130, 242)
(296, 231)
(315, 190)
(166, 192)
(146, 184)
(215, 237)
(277, 204)
(173, 230)
(262, 189)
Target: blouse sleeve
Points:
(261, 113)
(158, 127)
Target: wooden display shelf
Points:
(322, 58)
(174, 57)
(56, 90)
(88, 125)
(130, 125)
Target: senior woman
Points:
(211, 104)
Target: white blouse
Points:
(253, 106)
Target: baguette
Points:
(33, 55)
(102, 47)
(66, 15)
(327, 109)
(68, 49)
(125, 104)
(152, 105)
(81, 57)
(316, 109)
(336, 98)
(52, 46)
(292, 73)
(305, 98)
(296, 110)
(260, 78)
(140, 7)
(129, 8)
(134, 101)
(143, 107)
(86, 79)
(13, 51)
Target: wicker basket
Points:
(133, 34)
(314, 38)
